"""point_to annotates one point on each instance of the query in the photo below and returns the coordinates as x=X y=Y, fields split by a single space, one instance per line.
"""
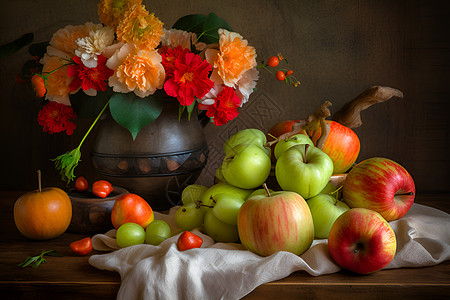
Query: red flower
x=56 y=117
x=89 y=78
x=225 y=107
x=169 y=56
x=190 y=78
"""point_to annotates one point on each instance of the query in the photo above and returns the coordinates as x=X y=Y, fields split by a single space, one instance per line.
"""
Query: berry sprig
x=281 y=74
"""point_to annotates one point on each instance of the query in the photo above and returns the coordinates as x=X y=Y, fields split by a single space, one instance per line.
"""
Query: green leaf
x=133 y=112
x=29 y=65
x=38 y=49
x=66 y=164
x=190 y=23
x=212 y=24
x=205 y=26
x=89 y=106
x=190 y=109
x=14 y=46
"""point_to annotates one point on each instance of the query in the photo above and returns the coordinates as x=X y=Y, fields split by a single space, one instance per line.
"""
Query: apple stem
x=266 y=189
x=39 y=180
x=306 y=149
x=406 y=194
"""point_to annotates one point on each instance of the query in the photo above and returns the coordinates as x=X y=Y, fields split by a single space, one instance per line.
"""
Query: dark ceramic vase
x=166 y=156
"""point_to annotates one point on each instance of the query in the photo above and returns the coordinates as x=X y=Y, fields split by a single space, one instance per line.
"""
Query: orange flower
x=63 y=42
x=110 y=11
x=138 y=71
x=140 y=28
x=39 y=85
x=232 y=60
x=58 y=83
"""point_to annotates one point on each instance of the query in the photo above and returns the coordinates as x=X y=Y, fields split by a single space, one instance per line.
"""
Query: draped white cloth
x=227 y=271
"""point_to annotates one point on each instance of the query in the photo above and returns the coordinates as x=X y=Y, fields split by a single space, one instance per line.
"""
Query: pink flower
x=225 y=107
x=190 y=79
x=89 y=78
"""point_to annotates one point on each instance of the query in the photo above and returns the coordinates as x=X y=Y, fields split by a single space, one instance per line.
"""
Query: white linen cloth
x=227 y=271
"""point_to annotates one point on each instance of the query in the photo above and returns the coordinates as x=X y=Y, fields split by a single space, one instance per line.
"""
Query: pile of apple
x=306 y=205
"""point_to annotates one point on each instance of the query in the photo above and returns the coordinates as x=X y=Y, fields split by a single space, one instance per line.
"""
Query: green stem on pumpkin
x=67 y=162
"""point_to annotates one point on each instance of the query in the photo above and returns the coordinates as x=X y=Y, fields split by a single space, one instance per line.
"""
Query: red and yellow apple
x=278 y=221
x=362 y=241
x=342 y=146
x=131 y=208
x=382 y=185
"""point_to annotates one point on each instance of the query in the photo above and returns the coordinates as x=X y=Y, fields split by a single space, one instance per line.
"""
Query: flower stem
x=67 y=162
x=93 y=123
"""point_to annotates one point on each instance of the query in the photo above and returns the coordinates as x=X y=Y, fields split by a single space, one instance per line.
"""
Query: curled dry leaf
x=313 y=122
x=350 y=114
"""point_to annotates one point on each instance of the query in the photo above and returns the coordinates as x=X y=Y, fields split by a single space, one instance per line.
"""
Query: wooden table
x=72 y=277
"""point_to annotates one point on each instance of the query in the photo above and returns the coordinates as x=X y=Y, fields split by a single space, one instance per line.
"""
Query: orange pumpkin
x=43 y=214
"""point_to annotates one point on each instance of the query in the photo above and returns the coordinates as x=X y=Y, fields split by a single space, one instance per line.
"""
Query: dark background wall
x=337 y=49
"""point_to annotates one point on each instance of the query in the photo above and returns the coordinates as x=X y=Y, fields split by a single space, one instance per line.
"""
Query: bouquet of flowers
x=132 y=64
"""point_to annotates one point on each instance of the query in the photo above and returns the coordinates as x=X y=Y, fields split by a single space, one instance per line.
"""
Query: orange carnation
x=138 y=71
x=140 y=28
x=232 y=60
x=58 y=83
x=110 y=11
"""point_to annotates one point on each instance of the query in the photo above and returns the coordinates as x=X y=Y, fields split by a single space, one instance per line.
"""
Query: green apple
x=218 y=230
x=325 y=209
x=218 y=175
x=247 y=136
x=192 y=193
x=226 y=207
x=297 y=139
x=258 y=192
x=222 y=188
x=246 y=166
x=304 y=169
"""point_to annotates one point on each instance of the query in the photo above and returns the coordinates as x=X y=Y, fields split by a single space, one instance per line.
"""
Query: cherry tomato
x=102 y=188
x=81 y=184
x=280 y=75
x=289 y=73
x=82 y=247
x=273 y=61
x=188 y=240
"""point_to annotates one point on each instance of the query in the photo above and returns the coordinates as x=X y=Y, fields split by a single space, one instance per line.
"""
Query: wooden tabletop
x=72 y=277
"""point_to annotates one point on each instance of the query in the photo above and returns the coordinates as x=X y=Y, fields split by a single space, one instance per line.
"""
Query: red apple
x=131 y=208
x=280 y=221
x=362 y=241
x=281 y=128
x=382 y=185
x=342 y=146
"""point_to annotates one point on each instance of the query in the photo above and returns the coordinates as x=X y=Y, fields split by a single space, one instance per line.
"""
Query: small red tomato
x=81 y=184
x=82 y=247
x=102 y=188
x=189 y=240
x=289 y=73
x=273 y=61
x=280 y=75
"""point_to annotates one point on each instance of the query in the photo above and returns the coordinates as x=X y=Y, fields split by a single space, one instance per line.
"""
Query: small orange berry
x=273 y=61
x=280 y=75
x=289 y=73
